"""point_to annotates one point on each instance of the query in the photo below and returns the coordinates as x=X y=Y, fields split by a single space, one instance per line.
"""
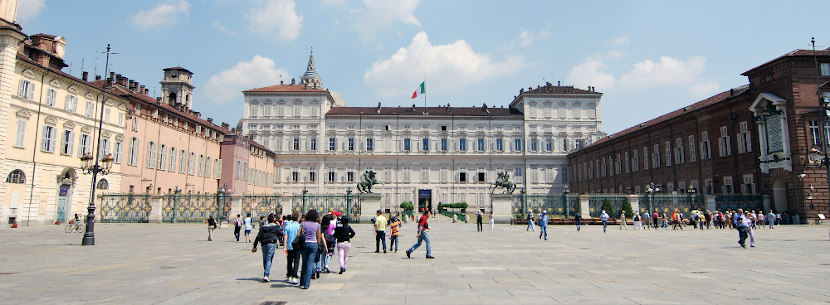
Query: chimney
x=84 y=75
x=133 y=85
x=141 y=89
x=210 y=120
x=225 y=125
x=97 y=77
x=558 y=83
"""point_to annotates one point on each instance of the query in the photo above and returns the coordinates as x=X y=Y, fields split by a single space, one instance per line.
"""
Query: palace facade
x=423 y=155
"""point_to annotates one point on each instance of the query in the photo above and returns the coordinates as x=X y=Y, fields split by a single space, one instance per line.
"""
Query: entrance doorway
x=63 y=198
x=424 y=200
x=779 y=194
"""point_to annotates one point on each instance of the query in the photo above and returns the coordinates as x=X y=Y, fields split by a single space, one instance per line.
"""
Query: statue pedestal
x=502 y=205
x=369 y=205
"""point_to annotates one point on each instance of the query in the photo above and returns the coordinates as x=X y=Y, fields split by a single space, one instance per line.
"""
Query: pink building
x=249 y=166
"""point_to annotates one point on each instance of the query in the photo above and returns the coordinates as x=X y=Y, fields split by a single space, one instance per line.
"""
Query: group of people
x=699 y=220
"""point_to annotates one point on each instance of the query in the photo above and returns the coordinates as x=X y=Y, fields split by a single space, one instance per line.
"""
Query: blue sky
x=646 y=57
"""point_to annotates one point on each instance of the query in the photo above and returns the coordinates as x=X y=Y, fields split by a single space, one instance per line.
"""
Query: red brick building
x=754 y=139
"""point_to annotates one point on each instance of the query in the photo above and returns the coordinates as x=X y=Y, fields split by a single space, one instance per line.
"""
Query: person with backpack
x=578 y=221
x=543 y=225
x=237 y=226
x=324 y=255
x=268 y=236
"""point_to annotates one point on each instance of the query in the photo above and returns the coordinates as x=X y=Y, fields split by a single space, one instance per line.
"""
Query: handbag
x=299 y=241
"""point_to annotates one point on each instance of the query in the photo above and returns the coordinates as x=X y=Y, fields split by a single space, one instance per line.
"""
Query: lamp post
x=692 y=193
x=349 y=202
x=565 y=192
x=220 y=200
x=651 y=190
x=176 y=203
x=305 y=193
x=87 y=167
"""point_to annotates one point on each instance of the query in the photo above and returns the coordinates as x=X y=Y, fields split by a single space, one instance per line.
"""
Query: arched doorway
x=779 y=194
x=66 y=182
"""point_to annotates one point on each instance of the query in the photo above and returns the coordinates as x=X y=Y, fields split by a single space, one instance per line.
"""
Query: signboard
x=64 y=190
x=425 y=193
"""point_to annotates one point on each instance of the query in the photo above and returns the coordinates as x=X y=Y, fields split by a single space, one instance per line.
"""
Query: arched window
x=103 y=184
x=16 y=176
x=172 y=98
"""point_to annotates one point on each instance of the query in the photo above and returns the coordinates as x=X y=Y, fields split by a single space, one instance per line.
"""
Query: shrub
x=627 y=208
x=606 y=205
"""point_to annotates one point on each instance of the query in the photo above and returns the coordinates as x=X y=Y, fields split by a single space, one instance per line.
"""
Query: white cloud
x=666 y=71
x=527 y=37
x=258 y=72
x=624 y=39
x=219 y=26
x=276 y=16
x=380 y=15
x=162 y=15
x=27 y=9
x=590 y=73
x=704 y=90
x=448 y=67
x=333 y=2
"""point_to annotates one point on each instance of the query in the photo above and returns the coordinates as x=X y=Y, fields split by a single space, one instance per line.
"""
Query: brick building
x=754 y=139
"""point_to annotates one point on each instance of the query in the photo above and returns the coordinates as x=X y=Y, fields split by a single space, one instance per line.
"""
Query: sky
x=646 y=57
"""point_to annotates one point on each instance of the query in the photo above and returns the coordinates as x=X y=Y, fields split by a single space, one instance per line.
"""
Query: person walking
x=578 y=221
x=771 y=219
x=479 y=217
x=655 y=218
x=268 y=236
x=741 y=223
x=237 y=226
x=543 y=225
x=248 y=227
x=292 y=229
x=423 y=236
x=211 y=226
x=604 y=218
x=313 y=237
x=380 y=232
x=394 y=226
x=750 y=230
x=646 y=220
x=622 y=221
x=342 y=235
x=492 y=222
x=323 y=257
x=530 y=221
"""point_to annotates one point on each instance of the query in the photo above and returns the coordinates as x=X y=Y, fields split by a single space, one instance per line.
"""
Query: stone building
x=248 y=166
x=761 y=138
x=422 y=155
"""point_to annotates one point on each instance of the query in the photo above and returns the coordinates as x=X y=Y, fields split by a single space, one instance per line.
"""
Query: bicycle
x=73 y=226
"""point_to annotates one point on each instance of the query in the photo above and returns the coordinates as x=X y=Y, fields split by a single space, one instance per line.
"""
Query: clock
x=60 y=50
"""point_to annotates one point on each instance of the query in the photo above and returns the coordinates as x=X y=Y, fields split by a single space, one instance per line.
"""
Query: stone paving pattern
x=175 y=264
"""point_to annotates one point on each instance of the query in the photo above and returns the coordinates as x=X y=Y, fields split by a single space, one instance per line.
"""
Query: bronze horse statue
x=367 y=181
x=503 y=181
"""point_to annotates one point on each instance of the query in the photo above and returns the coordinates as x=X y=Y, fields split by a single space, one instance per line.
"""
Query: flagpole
x=425 y=93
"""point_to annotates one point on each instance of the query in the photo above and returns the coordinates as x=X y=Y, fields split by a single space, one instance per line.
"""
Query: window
x=26 y=89
x=407 y=144
x=710 y=187
x=425 y=144
x=16 y=176
x=668 y=153
x=238 y=169
x=692 y=152
x=645 y=157
x=104 y=148
x=534 y=144
x=20 y=136
x=462 y=144
x=296 y=143
x=444 y=144
x=295 y=176
x=462 y=177
x=51 y=96
x=517 y=144
x=89 y=110
x=162 y=158
x=749 y=185
x=727 y=185
x=815 y=130
x=627 y=168
x=370 y=144
x=116 y=152
x=171 y=166
x=182 y=164
x=825 y=69
x=253 y=110
x=425 y=174
x=548 y=144
x=350 y=176
x=151 y=155
x=565 y=145
x=48 y=140
x=705 y=148
x=132 y=157
x=191 y=168
x=481 y=177
x=201 y=171
x=679 y=157
x=635 y=161
x=499 y=144
x=267 y=111
x=71 y=103
x=655 y=157
x=332 y=174
x=723 y=142
x=744 y=138
x=313 y=144
x=312 y=174
x=480 y=142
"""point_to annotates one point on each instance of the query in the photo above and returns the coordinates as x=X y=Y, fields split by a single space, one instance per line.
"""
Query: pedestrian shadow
x=283 y=285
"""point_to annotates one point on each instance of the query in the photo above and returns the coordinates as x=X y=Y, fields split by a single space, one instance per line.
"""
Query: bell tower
x=176 y=88
x=8 y=10
x=310 y=78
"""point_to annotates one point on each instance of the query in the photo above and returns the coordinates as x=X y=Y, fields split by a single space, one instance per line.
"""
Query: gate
x=595 y=204
x=672 y=203
x=733 y=202
x=347 y=204
x=189 y=207
x=125 y=207
x=559 y=205
x=262 y=205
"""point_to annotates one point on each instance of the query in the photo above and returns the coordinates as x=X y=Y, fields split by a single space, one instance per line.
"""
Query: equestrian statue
x=368 y=180
x=503 y=180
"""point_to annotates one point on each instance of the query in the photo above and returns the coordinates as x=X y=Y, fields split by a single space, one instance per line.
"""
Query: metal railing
x=596 y=200
x=125 y=207
x=671 y=203
x=189 y=207
x=733 y=202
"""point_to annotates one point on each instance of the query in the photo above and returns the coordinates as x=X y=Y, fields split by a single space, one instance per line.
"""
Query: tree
x=627 y=208
x=606 y=205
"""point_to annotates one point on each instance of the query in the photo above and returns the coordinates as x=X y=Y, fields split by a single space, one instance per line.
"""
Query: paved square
x=174 y=264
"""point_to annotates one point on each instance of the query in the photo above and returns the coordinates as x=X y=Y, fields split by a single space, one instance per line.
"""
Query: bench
x=820 y=219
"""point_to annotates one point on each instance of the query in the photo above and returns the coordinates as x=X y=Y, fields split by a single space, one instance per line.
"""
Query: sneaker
x=376 y=251
x=265 y=279
x=743 y=246
x=430 y=257
x=342 y=270
x=408 y=253
x=295 y=280
x=384 y=251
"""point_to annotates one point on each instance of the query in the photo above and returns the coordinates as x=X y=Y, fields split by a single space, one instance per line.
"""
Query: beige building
x=49 y=120
x=249 y=166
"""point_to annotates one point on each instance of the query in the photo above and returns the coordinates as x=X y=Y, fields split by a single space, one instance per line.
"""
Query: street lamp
x=651 y=189
x=565 y=192
x=692 y=192
x=220 y=200
x=305 y=193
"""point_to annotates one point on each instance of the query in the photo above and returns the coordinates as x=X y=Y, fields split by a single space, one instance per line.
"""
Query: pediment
x=69 y=125
x=760 y=102
x=51 y=120
x=28 y=73
x=22 y=113
x=55 y=83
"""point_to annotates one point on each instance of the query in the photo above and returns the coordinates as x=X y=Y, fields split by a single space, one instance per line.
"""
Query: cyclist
x=76 y=221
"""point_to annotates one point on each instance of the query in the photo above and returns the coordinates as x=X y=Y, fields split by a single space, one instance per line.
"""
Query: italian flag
x=423 y=90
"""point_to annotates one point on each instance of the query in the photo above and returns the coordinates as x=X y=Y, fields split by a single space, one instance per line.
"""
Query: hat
x=544 y=212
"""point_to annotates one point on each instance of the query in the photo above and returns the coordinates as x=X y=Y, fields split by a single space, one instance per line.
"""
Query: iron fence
x=733 y=202
x=189 y=207
x=125 y=207
x=595 y=202
x=671 y=203
x=557 y=205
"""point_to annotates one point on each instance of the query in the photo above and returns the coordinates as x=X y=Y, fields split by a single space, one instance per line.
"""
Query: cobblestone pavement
x=175 y=264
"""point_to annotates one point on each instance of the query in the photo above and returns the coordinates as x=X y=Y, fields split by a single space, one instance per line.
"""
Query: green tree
x=606 y=205
x=627 y=208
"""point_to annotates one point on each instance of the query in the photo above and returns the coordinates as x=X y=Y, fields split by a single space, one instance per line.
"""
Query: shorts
x=247 y=232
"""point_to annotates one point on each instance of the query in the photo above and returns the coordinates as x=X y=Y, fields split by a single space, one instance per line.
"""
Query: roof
x=793 y=53
x=717 y=98
x=120 y=90
x=419 y=111
x=177 y=68
x=285 y=88
x=550 y=89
